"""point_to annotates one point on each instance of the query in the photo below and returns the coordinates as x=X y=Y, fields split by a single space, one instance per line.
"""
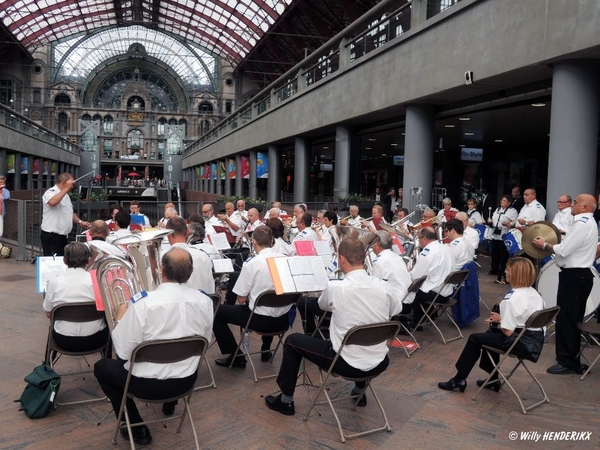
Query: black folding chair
x=412 y=289
x=539 y=319
x=363 y=335
x=216 y=299
x=165 y=351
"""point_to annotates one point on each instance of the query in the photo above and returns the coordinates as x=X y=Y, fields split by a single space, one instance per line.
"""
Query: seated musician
x=201 y=277
x=306 y=233
x=279 y=244
x=402 y=223
x=165 y=218
x=172 y=311
x=435 y=262
x=74 y=286
x=122 y=221
x=515 y=309
x=134 y=209
x=231 y=220
x=254 y=279
x=114 y=209
x=447 y=212
x=389 y=266
x=354 y=219
x=356 y=300
x=329 y=232
x=470 y=234
x=98 y=233
x=253 y=220
x=462 y=250
x=376 y=219
x=210 y=220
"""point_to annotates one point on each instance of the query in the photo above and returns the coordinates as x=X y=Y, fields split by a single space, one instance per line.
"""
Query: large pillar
x=418 y=152
x=219 y=182
x=573 y=131
x=274 y=182
x=238 y=176
x=252 y=190
x=227 y=179
x=341 y=176
x=301 y=170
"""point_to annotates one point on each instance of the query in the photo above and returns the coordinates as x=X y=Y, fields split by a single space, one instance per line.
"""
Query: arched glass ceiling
x=78 y=59
x=229 y=28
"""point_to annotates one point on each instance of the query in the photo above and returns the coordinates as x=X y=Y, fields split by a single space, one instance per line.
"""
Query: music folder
x=297 y=274
x=219 y=240
x=227 y=231
x=224 y=265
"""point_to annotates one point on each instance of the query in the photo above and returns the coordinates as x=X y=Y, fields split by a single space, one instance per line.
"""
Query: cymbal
x=545 y=229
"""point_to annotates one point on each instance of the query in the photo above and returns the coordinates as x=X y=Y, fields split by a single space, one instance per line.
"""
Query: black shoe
x=494 y=385
x=275 y=403
x=239 y=363
x=266 y=356
x=558 y=369
x=141 y=434
x=582 y=369
x=168 y=408
x=363 y=400
x=452 y=384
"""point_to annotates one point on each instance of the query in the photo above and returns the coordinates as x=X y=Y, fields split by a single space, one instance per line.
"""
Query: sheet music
x=300 y=266
x=219 y=240
x=224 y=265
x=48 y=267
x=323 y=248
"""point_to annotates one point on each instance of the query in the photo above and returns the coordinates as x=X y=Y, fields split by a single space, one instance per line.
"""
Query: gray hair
x=385 y=239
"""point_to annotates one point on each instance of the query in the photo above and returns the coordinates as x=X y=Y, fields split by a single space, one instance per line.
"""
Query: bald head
x=99 y=229
x=583 y=203
x=177 y=266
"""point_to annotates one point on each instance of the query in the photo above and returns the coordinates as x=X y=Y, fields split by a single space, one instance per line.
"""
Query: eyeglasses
x=559 y=201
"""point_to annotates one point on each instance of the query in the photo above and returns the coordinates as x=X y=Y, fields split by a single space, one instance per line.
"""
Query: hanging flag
x=231 y=169
x=262 y=165
x=24 y=165
x=245 y=172
x=221 y=170
x=215 y=174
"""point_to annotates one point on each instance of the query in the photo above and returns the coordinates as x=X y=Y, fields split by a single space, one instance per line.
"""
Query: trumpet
x=349 y=216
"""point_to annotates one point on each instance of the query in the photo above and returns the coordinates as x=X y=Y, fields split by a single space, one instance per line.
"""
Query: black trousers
x=422 y=297
x=321 y=353
x=112 y=377
x=499 y=258
x=309 y=311
x=238 y=315
x=574 y=287
x=472 y=352
x=81 y=343
x=53 y=244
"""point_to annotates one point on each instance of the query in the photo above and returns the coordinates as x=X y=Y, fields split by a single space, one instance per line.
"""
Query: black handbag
x=529 y=346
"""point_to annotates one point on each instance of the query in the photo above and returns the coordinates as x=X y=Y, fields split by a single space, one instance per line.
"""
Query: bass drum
x=548 y=287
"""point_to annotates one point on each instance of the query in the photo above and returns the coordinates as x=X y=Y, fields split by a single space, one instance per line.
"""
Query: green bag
x=39 y=394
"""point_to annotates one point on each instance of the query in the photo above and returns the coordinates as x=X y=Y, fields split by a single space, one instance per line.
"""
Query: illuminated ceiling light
x=498 y=140
x=384 y=154
x=325 y=148
x=538 y=105
x=403 y=134
x=469 y=134
x=449 y=126
x=372 y=139
x=394 y=145
x=464 y=118
x=367 y=148
x=462 y=145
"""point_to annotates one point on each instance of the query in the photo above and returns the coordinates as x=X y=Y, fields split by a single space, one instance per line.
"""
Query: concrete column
x=418 y=13
x=341 y=175
x=573 y=131
x=301 y=170
x=419 y=143
x=227 y=180
x=252 y=189
x=238 y=176
x=218 y=181
x=274 y=183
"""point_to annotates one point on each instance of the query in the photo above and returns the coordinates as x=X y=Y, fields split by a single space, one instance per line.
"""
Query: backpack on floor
x=38 y=397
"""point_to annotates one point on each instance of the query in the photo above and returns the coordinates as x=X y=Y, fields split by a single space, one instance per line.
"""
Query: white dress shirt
x=475 y=215
x=358 y=299
x=462 y=251
x=72 y=286
x=472 y=237
x=171 y=311
x=435 y=262
x=517 y=306
x=578 y=248
x=280 y=246
x=509 y=214
x=563 y=219
x=392 y=268
x=202 y=276
x=534 y=211
x=254 y=279
x=57 y=219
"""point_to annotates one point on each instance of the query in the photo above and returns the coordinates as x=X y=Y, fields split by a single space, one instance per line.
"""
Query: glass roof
x=78 y=57
x=229 y=28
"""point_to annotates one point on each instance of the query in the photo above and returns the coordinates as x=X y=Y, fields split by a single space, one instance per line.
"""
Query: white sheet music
x=224 y=265
x=301 y=273
x=219 y=240
x=48 y=267
x=301 y=265
x=323 y=248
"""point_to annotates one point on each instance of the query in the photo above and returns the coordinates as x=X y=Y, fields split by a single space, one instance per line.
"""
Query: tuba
x=118 y=281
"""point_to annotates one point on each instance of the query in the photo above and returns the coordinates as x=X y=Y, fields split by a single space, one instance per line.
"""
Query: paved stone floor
x=234 y=414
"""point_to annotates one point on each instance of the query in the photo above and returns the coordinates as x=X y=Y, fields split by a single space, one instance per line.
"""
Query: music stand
x=227 y=231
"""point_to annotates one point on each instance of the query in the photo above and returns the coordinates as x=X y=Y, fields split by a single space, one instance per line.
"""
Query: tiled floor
x=234 y=414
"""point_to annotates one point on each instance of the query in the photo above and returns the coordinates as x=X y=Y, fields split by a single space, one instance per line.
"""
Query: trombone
x=422 y=223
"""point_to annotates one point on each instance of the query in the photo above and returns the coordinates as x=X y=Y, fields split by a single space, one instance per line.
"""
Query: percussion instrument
x=548 y=287
x=481 y=229
x=545 y=229
x=512 y=242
